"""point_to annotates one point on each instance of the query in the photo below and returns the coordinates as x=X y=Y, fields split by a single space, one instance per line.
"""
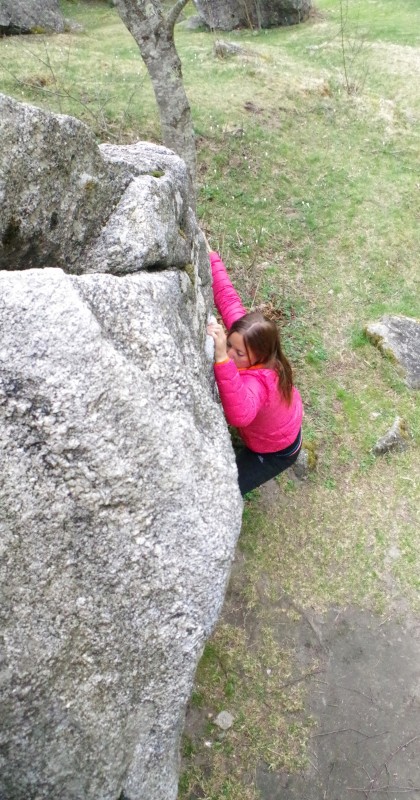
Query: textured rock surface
x=399 y=337
x=30 y=16
x=230 y=14
x=56 y=190
x=119 y=509
x=152 y=225
x=397 y=438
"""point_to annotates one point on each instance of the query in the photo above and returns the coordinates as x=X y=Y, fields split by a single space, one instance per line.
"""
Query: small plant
x=352 y=53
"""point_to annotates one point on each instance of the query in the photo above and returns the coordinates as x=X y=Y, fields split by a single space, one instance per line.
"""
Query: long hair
x=262 y=344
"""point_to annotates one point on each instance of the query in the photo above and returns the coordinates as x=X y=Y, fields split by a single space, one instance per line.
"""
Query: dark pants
x=257 y=468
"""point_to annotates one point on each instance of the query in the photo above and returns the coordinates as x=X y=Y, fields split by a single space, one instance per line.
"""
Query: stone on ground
x=397 y=438
x=399 y=337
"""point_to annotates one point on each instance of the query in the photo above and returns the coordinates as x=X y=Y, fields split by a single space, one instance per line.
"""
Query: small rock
x=224 y=720
x=305 y=462
x=194 y=23
x=398 y=337
x=225 y=49
x=395 y=439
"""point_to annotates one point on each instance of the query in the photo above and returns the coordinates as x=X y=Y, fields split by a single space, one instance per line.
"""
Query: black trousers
x=257 y=468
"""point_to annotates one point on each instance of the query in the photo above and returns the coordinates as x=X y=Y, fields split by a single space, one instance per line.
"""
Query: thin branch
x=347 y=730
x=174 y=13
x=60 y=94
x=398 y=789
x=347 y=689
x=301 y=678
x=305 y=616
x=384 y=765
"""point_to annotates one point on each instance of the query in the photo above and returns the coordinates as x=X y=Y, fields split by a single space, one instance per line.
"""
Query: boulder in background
x=30 y=16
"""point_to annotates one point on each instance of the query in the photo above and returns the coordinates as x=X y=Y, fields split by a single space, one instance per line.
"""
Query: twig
x=63 y=94
x=314 y=766
x=255 y=293
x=301 y=611
x=398 y=789
x=347 y=730
x=301 y=678
x=347 y=689
x=384 y=765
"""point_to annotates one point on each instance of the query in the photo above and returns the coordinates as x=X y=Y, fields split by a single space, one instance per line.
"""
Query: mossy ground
x=308 y=153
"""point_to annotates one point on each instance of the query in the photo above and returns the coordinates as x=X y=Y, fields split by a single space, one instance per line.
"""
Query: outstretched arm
x=226 y=298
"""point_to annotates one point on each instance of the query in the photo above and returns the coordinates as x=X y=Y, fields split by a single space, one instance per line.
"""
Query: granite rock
x=30 y=16
x=119 y=500
x=399 y=338
x=230 y=14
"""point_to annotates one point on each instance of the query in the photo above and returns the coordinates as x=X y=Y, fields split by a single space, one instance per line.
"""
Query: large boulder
x=120 y=506
x=227 y=15
x=30 y=16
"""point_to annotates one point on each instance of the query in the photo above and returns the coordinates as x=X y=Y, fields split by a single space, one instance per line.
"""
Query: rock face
x=120 y=507
x=227 y=15
x=30 y=16
x=56 y=189
x=399 y=337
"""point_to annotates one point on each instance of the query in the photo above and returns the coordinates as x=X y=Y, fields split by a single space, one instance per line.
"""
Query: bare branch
x=396 y=789
x=347 y=730
x=301 y=678
x=174 y=13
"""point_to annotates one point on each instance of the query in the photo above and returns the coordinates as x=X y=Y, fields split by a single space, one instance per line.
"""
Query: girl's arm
x=242 y=396
x=226 y=298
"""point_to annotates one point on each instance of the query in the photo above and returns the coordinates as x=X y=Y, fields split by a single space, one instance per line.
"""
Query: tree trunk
x=153 y=31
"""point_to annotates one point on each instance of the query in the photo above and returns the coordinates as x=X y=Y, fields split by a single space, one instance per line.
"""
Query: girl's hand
x=219 y=337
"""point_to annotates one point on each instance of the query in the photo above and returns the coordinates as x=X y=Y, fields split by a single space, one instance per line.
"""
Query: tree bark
x=153 y=31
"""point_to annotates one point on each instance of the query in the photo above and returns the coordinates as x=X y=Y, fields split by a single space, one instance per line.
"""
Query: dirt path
x=358 y=673
x=366 y=703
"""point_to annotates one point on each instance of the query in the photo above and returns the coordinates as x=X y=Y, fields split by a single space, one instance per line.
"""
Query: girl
x=255 y=385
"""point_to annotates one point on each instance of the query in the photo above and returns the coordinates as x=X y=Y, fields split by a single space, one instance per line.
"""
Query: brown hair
x=261 y=338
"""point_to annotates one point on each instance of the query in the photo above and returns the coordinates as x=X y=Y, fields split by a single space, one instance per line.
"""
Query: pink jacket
x=250 y=397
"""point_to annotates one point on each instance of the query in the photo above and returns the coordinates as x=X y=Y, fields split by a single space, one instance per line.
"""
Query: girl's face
x=236 y=351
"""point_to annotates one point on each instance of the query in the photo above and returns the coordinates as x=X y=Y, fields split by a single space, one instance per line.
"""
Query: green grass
x=308 y=184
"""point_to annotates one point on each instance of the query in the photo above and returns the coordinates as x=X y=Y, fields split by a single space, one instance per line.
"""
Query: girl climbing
x=255 y=385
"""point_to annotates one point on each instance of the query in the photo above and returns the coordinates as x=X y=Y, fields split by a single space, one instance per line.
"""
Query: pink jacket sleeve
x=226 y=299
x=242 y=396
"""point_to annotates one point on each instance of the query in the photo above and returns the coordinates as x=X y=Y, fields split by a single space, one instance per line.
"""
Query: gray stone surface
x=397 y=438
x=301 y=466
x=56 y=189
x=224 y=49
x=224 y=720
x=194 y=23
x=30 y=16
x=399 y=338
x=152 y=225
x=230 y=14
x=119 y=507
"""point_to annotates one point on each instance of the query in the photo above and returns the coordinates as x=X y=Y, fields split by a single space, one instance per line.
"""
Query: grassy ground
x=308 y=151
